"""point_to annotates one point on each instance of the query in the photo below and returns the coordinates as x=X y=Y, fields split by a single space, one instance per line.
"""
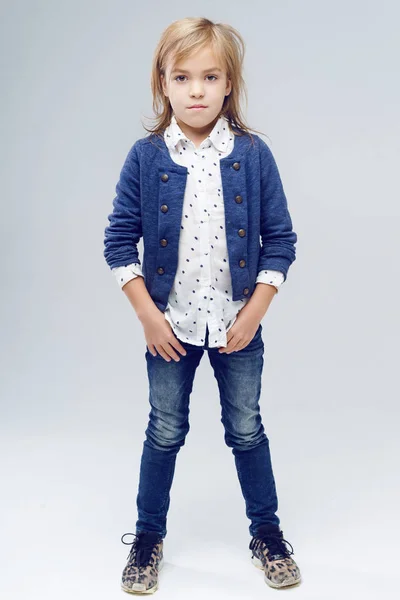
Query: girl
x=202 y=191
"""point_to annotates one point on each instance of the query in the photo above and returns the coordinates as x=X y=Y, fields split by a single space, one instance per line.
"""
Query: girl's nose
x=196 y=90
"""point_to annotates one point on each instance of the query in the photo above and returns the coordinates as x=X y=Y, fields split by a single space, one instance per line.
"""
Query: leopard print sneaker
x=145 y=560
x=269 y=554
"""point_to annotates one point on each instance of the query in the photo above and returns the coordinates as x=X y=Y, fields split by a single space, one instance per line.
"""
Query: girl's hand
x=160 y=337
x=241 y=333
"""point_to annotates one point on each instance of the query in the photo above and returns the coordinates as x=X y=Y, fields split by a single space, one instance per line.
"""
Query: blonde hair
x=184 y=37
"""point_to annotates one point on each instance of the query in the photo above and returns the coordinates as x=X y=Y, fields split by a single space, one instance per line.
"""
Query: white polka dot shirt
x=201 y=293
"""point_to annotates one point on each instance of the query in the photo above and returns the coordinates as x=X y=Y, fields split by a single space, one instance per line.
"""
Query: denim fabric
x=149 y=203
x=239 y=382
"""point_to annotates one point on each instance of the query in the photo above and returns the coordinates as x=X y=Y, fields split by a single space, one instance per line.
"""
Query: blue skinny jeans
x=170 y=384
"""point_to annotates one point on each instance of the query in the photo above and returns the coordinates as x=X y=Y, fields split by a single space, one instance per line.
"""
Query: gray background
x=323 y=84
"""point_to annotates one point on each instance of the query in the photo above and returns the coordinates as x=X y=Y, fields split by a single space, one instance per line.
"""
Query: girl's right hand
x=160 y=337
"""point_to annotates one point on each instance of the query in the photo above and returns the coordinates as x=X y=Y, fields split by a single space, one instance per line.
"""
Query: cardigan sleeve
x=277 y=236
x=124 y=230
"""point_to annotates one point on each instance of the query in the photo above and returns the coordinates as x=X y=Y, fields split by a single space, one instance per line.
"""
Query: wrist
x=147 y=312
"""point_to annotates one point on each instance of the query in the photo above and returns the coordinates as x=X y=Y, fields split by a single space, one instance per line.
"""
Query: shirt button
x=236 y=166
x=164 y=177
x=246 y=291
x=164 y=208
x=163 y=242
x=242 y=263
x=242 y=232
x=160 y=271
x=238 y=199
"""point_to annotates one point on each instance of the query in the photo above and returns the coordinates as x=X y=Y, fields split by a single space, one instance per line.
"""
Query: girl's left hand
x=241 y=333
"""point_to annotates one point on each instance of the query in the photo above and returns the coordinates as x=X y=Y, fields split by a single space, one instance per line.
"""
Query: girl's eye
x=178 y=77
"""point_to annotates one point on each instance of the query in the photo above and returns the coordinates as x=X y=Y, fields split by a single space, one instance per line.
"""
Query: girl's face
x=200 y=79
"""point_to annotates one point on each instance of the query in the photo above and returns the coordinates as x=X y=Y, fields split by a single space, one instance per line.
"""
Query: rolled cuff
x=125 y=274
x=275 y=278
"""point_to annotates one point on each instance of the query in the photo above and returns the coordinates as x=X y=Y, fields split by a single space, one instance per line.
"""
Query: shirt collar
x=219 y=136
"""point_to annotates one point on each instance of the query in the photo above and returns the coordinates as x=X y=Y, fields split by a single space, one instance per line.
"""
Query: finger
x=176 y=344
x=171 y=352
x=226 y=348
x=162 y=353
x=235 y=345
x=241 y=346
x=230 y=345
x=152 y=349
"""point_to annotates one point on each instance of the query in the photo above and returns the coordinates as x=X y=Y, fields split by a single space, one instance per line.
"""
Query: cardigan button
x=163 y=242
x=160 y=271
x=236 y=166
x=246 y=291
x=238 y=199
x=164 y=208
x=242 y=263
x=242 y=232
x=164 y=177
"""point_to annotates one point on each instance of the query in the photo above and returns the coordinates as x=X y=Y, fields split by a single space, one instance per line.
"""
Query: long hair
x=180 y=40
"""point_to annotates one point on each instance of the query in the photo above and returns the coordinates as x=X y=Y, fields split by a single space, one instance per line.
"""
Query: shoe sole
x=257 y=563
x=138 y=588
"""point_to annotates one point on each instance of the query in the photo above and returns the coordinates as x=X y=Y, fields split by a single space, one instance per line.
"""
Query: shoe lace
x=274 y=541
x=142 y=547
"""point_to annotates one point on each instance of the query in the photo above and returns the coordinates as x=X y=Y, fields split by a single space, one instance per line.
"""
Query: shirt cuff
x=125 y=274
x=275 y=278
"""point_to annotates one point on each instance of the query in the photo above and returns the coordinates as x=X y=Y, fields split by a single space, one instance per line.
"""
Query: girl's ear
x=228 y=87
